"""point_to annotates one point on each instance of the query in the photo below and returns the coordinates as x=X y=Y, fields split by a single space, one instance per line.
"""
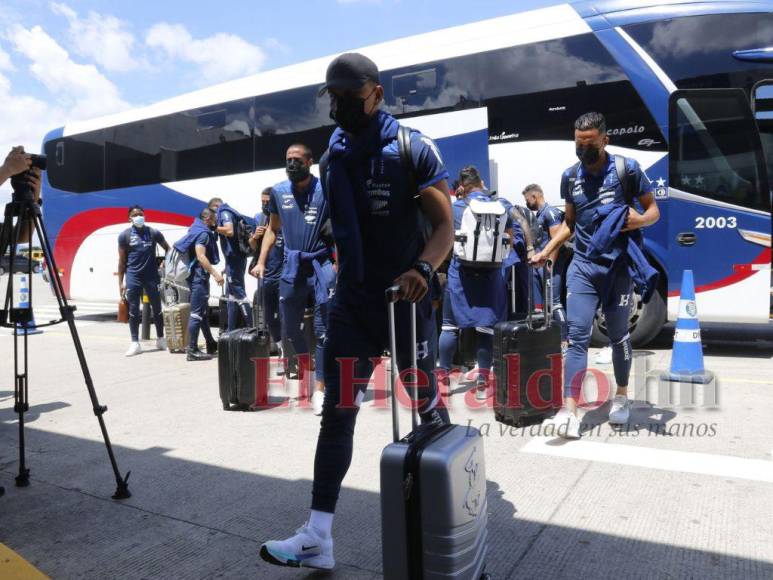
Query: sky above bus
x=79 y=59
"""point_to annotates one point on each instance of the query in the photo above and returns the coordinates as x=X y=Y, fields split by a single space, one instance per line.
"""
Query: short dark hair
x=532 y=187
x=266 y=191
x=135 y=206
x=469 y=176
x=592 y=120
x=305 y=148
x=213 y=200
x=205 y=213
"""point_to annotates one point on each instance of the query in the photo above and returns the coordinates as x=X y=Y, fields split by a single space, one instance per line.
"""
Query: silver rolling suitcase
x=433 y=493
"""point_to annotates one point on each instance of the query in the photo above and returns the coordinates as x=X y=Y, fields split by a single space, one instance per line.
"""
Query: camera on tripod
x=22 y=190
x=23 y=217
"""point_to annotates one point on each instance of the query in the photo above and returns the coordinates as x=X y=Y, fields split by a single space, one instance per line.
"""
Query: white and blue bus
x=687 y=89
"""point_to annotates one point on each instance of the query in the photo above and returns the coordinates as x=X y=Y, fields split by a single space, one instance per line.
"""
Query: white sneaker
x=604 y=356
x=620 y=410
x=565 y=424
x=481 y=391
x=317 y=399
x=134 y=349
x=306 y=548
x=161 y=343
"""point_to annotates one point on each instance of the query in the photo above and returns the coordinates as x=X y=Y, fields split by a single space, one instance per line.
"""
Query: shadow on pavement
x=190 y=519
x=8 y=415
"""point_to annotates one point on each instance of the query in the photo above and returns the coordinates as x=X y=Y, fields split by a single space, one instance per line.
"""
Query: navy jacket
x=185 y=244
x=625 y=247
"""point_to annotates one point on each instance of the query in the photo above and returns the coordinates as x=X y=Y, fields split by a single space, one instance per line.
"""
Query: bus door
x=762 y=104
x=719 y=215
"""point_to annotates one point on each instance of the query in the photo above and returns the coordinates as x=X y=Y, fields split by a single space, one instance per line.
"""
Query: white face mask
x=138 y=221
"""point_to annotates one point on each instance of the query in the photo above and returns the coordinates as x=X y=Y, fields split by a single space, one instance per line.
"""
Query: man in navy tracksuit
x=300 y=211
x=137 y=259
x=273 y=268
x=200 y=245
x=379 y=239
x=550 y=220
x=595 y=277
x=239 y=315
x=474 y=297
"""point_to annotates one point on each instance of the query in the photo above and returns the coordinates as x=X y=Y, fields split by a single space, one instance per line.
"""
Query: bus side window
x=715 y=150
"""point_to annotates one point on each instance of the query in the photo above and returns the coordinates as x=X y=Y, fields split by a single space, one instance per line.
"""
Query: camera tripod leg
x=122 y=489
x=21 y=406
x=9 y=240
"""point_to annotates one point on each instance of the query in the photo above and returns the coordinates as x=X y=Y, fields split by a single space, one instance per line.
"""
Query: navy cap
x=349 y=71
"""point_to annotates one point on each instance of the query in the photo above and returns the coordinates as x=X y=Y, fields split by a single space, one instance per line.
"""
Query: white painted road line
x=663 y=459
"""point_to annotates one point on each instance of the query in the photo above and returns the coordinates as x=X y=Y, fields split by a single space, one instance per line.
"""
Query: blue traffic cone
x=29 y=326
x=687 y=354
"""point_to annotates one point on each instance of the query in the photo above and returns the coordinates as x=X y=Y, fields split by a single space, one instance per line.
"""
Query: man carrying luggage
x=137 y=262
x=273 y=269
x=600 y=272
x=239 y=315
x=375 y=219
x=300 y=211
x=549 y=219
x=474 y=297
x=200 y=245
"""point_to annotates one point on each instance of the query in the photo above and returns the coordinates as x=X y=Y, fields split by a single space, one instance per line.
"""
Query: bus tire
x=644 y=328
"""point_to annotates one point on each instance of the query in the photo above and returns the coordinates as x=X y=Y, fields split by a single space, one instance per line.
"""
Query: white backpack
x=481 y=242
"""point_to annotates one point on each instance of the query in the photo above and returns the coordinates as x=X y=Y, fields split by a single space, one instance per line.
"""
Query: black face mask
x=296 y=170
x=588 y=155
x=264 y=207
x=349 y=112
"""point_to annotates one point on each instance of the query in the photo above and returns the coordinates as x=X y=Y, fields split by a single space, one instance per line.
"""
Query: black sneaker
x=211 y=348
x=196 y=354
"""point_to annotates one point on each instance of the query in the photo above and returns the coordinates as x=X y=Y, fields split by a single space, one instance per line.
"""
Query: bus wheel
x=644 y=323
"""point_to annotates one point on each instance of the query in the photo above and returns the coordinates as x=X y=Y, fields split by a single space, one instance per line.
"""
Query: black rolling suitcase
x=528 y=363
x=433 y=495
x=236 y=366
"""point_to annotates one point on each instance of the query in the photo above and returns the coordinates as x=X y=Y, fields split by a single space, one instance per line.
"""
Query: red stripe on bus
x=741 y=272
x=79 y=227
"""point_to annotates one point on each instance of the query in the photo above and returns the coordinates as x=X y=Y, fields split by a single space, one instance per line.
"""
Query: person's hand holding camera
x=17 y=161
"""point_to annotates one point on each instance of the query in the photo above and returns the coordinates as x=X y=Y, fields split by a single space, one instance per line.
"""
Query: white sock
x=279 y=346
x=322 y=522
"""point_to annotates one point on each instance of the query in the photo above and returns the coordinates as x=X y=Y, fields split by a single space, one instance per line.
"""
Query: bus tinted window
x=296 y=115
x=432 y=87
x=535 y=92
x=209 y=141
x=714 y=148
x=77 y=163
x=697 y=51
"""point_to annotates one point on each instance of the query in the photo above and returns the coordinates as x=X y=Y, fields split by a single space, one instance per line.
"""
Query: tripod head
x=22 y=190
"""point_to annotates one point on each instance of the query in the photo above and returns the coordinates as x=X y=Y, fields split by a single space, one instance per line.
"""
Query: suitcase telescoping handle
x=392 y=296
x=260 y=324
x=547 y=296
